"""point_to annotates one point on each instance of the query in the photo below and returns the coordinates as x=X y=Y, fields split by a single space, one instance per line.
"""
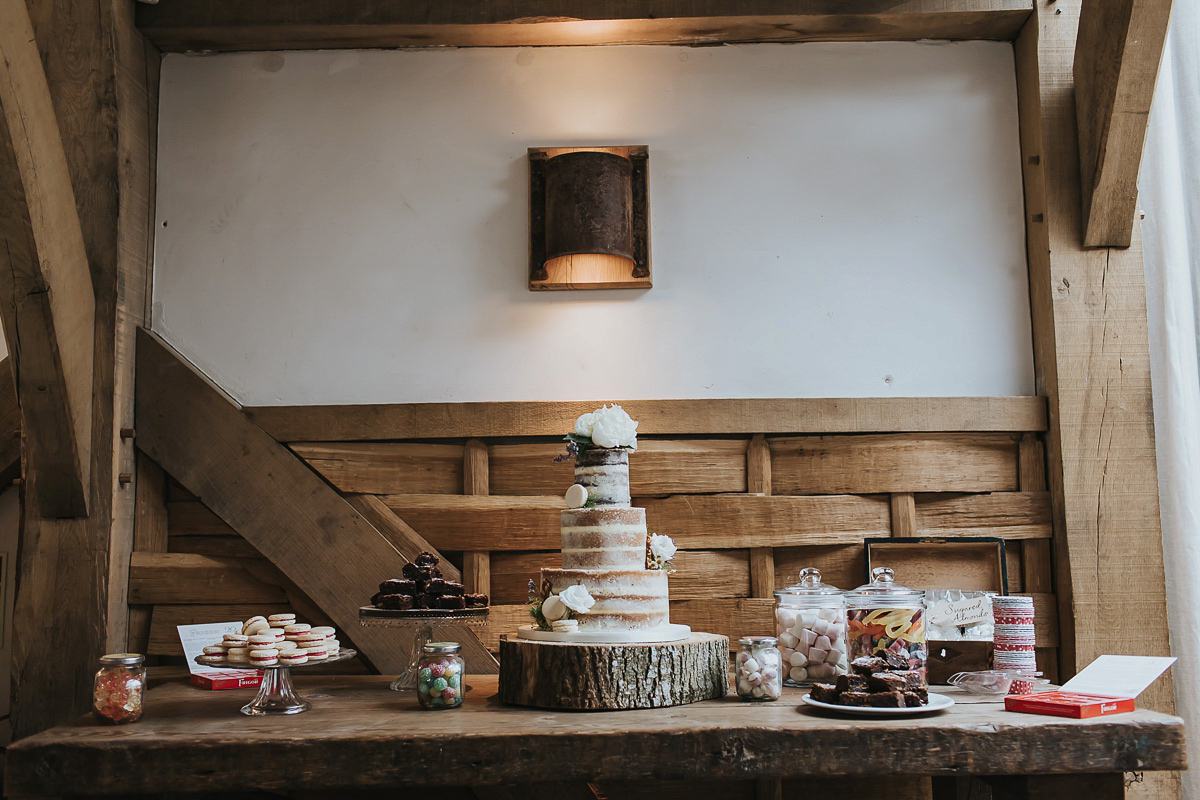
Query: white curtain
x=1170 y=198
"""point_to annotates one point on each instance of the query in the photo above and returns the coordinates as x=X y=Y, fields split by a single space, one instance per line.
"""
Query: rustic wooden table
x=359 y=734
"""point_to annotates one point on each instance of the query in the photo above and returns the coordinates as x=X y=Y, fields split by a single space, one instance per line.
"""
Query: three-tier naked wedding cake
x=613 y=583
x=603 y=638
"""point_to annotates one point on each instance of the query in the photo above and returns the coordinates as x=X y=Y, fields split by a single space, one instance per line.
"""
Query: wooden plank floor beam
x=184 y=25
x=47 y=299
x=1117 y=53
x=259 y=488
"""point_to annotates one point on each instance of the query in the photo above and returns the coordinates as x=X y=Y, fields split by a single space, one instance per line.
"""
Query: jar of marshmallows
x=810 y=623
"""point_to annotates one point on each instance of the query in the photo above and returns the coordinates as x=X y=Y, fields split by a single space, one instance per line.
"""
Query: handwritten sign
x=961 y=613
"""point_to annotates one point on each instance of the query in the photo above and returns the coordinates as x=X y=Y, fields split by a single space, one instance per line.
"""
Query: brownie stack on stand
x=1015 y=639
x=424 y=588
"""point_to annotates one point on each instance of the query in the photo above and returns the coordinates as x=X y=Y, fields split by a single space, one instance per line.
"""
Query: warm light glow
x=593 y=271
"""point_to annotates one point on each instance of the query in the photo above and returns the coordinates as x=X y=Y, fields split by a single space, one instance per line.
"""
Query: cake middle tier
x=603 y=538
x=625 y=599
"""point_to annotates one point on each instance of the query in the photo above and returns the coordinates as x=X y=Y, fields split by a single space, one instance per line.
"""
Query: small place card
x=961 y=613
x=195 y=638
x=1119 y=676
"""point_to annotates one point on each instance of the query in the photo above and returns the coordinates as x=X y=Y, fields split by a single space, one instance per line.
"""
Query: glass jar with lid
x=440 y=676
x=884 y=617
x=810 y=623
x=757 y=669
x=119 y=687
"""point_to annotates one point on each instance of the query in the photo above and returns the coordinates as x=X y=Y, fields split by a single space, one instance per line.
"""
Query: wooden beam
x=1092 y=361
x=398 y=532
x=10 y=426
x=321 y=24
x=47 y=298
x=655 y=417
x=149 y=537
x=1117 y=53
x=324 y=546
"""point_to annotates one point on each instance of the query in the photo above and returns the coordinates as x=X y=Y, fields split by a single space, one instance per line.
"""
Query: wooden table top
x=360 y=734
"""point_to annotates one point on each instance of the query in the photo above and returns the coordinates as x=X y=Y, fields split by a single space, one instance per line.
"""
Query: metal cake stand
x=422 y=621
x=276 y=695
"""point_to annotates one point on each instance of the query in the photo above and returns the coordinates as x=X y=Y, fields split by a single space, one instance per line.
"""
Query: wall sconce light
x=589 y=218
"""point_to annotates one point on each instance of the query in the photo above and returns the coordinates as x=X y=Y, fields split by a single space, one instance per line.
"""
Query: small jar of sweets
x=119 y=687
x=810 y=621
x=440 y=676
x=758 y=668
x=883 y=617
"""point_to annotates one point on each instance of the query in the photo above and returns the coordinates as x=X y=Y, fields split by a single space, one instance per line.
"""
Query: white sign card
x=961 y=613
x=1119 y=676
x=195 y=638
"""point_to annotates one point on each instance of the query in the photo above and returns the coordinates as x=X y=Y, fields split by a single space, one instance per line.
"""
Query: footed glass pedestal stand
x=276 y=695
x=421 y=622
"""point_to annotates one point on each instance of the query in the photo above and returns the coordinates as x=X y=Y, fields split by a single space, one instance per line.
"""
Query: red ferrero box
x=227 y=679
x=1069 y=704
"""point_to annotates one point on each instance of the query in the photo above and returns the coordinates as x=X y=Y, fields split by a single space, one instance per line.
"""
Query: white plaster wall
x=827 y=220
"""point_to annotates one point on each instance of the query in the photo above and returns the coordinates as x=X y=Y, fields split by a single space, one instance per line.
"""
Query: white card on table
x=195 y=638
x=1119 y=676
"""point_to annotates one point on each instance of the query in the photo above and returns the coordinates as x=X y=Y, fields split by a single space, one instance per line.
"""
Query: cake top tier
x=601 y=442
x=606 y=427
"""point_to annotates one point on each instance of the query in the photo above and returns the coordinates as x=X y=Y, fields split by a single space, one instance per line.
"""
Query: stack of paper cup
x=1014 y=636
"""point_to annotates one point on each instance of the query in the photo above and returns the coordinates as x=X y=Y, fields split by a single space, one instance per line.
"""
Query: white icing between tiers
x=662 y=633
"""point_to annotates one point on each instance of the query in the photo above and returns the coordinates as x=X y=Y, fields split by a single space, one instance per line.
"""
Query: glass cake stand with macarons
x=276 y=694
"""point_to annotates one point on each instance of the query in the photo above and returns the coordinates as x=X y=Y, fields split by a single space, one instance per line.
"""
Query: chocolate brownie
x=851 y=683
x=453 y=587
x=824 y=693
x=411 y=571
x=854 y=699
x=398 y=586
x=913 y=700
x=476 y=600
x=396 y=602
x=913 y=679
x=426 y=600
x=885 y=700
x=895 y=661
x=868 y=665
x=436 y=586
x=886 y=682
x=426 y=559
x=451 y=601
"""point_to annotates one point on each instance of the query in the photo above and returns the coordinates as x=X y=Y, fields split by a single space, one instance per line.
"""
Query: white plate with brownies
x=937 y=702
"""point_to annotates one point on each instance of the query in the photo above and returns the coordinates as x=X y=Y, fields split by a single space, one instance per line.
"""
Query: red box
x=1069 y=704
x=228 y=679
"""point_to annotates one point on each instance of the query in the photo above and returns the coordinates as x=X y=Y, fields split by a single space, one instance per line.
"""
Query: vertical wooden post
x=758 y=481
x=904 y=514
x=477 y=565
x=149 y=536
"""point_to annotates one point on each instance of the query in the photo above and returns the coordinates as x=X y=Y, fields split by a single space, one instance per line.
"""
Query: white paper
x=195 y=638
x=961 y=613
x=1119 y=676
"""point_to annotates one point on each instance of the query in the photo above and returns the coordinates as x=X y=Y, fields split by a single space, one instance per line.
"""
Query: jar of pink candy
x=810 y=623
x=757 y=669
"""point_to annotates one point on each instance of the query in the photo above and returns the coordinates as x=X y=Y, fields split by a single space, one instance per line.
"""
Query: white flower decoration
x=577 y=598
x=662 y=547
x=608 y=426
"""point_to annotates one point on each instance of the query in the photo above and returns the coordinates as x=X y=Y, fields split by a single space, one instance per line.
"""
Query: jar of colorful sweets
x=119 y=687
x=440 y=676
x=810 y=623
x=757 y=669
x=885 y=616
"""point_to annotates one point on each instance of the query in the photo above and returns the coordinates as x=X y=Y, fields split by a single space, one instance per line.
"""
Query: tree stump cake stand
x=611 y=677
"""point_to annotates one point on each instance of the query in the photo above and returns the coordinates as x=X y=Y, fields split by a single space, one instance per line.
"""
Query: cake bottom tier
x=625 y=599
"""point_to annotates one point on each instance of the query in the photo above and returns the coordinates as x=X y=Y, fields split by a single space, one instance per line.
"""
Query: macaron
x=325 y=631
x=215 y=650
x=310 y=639
x=264 y=657
x=287 y=647
x=236 y=638
x=238 y=654
x=255 y=625
x=317 y=653
x=262 y=640
x=333 y=646
x=279 y=620
x=209 y=658
x=297 y=627
x=293 y=659
x=277 y=633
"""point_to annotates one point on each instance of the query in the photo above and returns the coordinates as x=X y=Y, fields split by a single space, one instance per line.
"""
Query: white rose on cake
x=609 y=427
x=659 y=552
x=577 y=598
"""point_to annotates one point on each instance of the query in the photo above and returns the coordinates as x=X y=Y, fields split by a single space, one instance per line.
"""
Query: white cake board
x=663 y=633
